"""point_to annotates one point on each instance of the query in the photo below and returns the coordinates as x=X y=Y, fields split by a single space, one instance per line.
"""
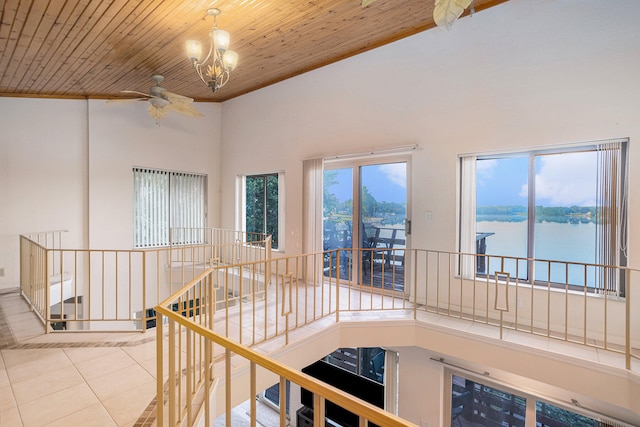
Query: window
x=474 y=403
x=366 y=362
x=548 y=415
x=566 y=205
x=261 y=205
x=165 y=200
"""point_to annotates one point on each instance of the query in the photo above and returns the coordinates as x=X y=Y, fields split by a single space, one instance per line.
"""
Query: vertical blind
x=610 y=214
x=467 y=215
x=165 y=200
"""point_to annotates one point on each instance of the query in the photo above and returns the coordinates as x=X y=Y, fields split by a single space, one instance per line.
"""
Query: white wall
x=66 y=164
x=122 y=136
x=421 y=380
x=43 y=174
x=521 y=74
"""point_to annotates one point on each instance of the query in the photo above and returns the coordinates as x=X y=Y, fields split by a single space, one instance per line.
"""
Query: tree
x=261 y=214
x=368 y=203
x=330 y=201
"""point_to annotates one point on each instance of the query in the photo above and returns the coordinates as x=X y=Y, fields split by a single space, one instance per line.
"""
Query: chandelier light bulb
x=194 y=50
x=230 y=60
x=221 y=40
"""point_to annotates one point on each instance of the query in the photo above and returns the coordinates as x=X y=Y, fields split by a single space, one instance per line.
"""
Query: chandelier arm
x=198 y=69
x=224 y=78
x=208 y=55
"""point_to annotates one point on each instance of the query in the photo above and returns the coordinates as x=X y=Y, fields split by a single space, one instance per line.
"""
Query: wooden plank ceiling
x=96 y=48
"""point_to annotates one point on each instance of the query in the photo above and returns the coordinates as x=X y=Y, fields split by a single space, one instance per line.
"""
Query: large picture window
x=165 y=200
x=261 y=205
x=566 y=205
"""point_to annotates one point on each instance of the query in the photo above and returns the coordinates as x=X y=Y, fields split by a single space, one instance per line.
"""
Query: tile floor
x=108 y=379
x=82 y=379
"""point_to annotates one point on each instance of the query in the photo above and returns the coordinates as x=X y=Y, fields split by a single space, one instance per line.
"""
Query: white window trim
x=241 y=205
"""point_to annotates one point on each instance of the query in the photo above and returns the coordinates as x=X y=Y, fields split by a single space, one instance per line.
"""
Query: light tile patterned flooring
x=108 y=379
x=87 y=379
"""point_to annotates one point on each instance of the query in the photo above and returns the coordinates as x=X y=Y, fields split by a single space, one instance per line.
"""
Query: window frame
x=276 y=241
x=532 y=154
x=170 y=207
x=531 y=396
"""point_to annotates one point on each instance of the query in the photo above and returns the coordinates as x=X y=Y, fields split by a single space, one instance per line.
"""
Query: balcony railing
x=96 y=289
x=208 y=332
x=206 y=329
x=596 y=306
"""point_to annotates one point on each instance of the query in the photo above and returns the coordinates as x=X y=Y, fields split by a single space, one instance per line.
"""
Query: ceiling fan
x=161 y=101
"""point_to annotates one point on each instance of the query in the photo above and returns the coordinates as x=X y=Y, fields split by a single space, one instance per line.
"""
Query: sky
x=567 y=179
x=386 y=183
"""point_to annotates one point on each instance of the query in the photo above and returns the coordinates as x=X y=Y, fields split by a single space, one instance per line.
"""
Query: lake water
x=553 y=241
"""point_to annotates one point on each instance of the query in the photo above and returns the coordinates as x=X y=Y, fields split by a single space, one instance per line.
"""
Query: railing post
x=159 y=372
x=627 y=305
x=144 y=290
x=47 y=291
x=171 y=347
x=253 y=392
x=283 y=401
x=414 y=262
x=337 y=291
x=318 y=410
x=227 y=387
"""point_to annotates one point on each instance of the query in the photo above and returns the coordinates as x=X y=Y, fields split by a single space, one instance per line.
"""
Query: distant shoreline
x=559 y=214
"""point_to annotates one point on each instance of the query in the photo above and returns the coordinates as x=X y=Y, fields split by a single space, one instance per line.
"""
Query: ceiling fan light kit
x=222 y=60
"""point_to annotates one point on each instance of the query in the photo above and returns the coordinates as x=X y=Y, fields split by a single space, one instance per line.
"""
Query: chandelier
x=222 y=61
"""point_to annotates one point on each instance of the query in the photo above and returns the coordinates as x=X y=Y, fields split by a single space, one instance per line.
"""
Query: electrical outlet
x=425 y=423
x=1 y=271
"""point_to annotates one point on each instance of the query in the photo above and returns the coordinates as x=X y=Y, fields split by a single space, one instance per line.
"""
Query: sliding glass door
x=365 y=214
x=337 y=222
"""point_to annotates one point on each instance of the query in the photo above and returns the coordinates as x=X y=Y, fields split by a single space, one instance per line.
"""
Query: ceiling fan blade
x=135 y=92
x=126 y=100
x=175 y=98
x=445 y=12
x=185 y=108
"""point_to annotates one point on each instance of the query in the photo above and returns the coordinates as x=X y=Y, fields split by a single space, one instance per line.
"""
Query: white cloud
x=486 y=167
x=396 y=173
x=484 y=170
x=566 y=180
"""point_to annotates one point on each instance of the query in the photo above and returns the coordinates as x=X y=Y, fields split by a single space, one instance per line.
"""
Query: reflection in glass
x=337 y=221
x=477 y=405
x=548 y=415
